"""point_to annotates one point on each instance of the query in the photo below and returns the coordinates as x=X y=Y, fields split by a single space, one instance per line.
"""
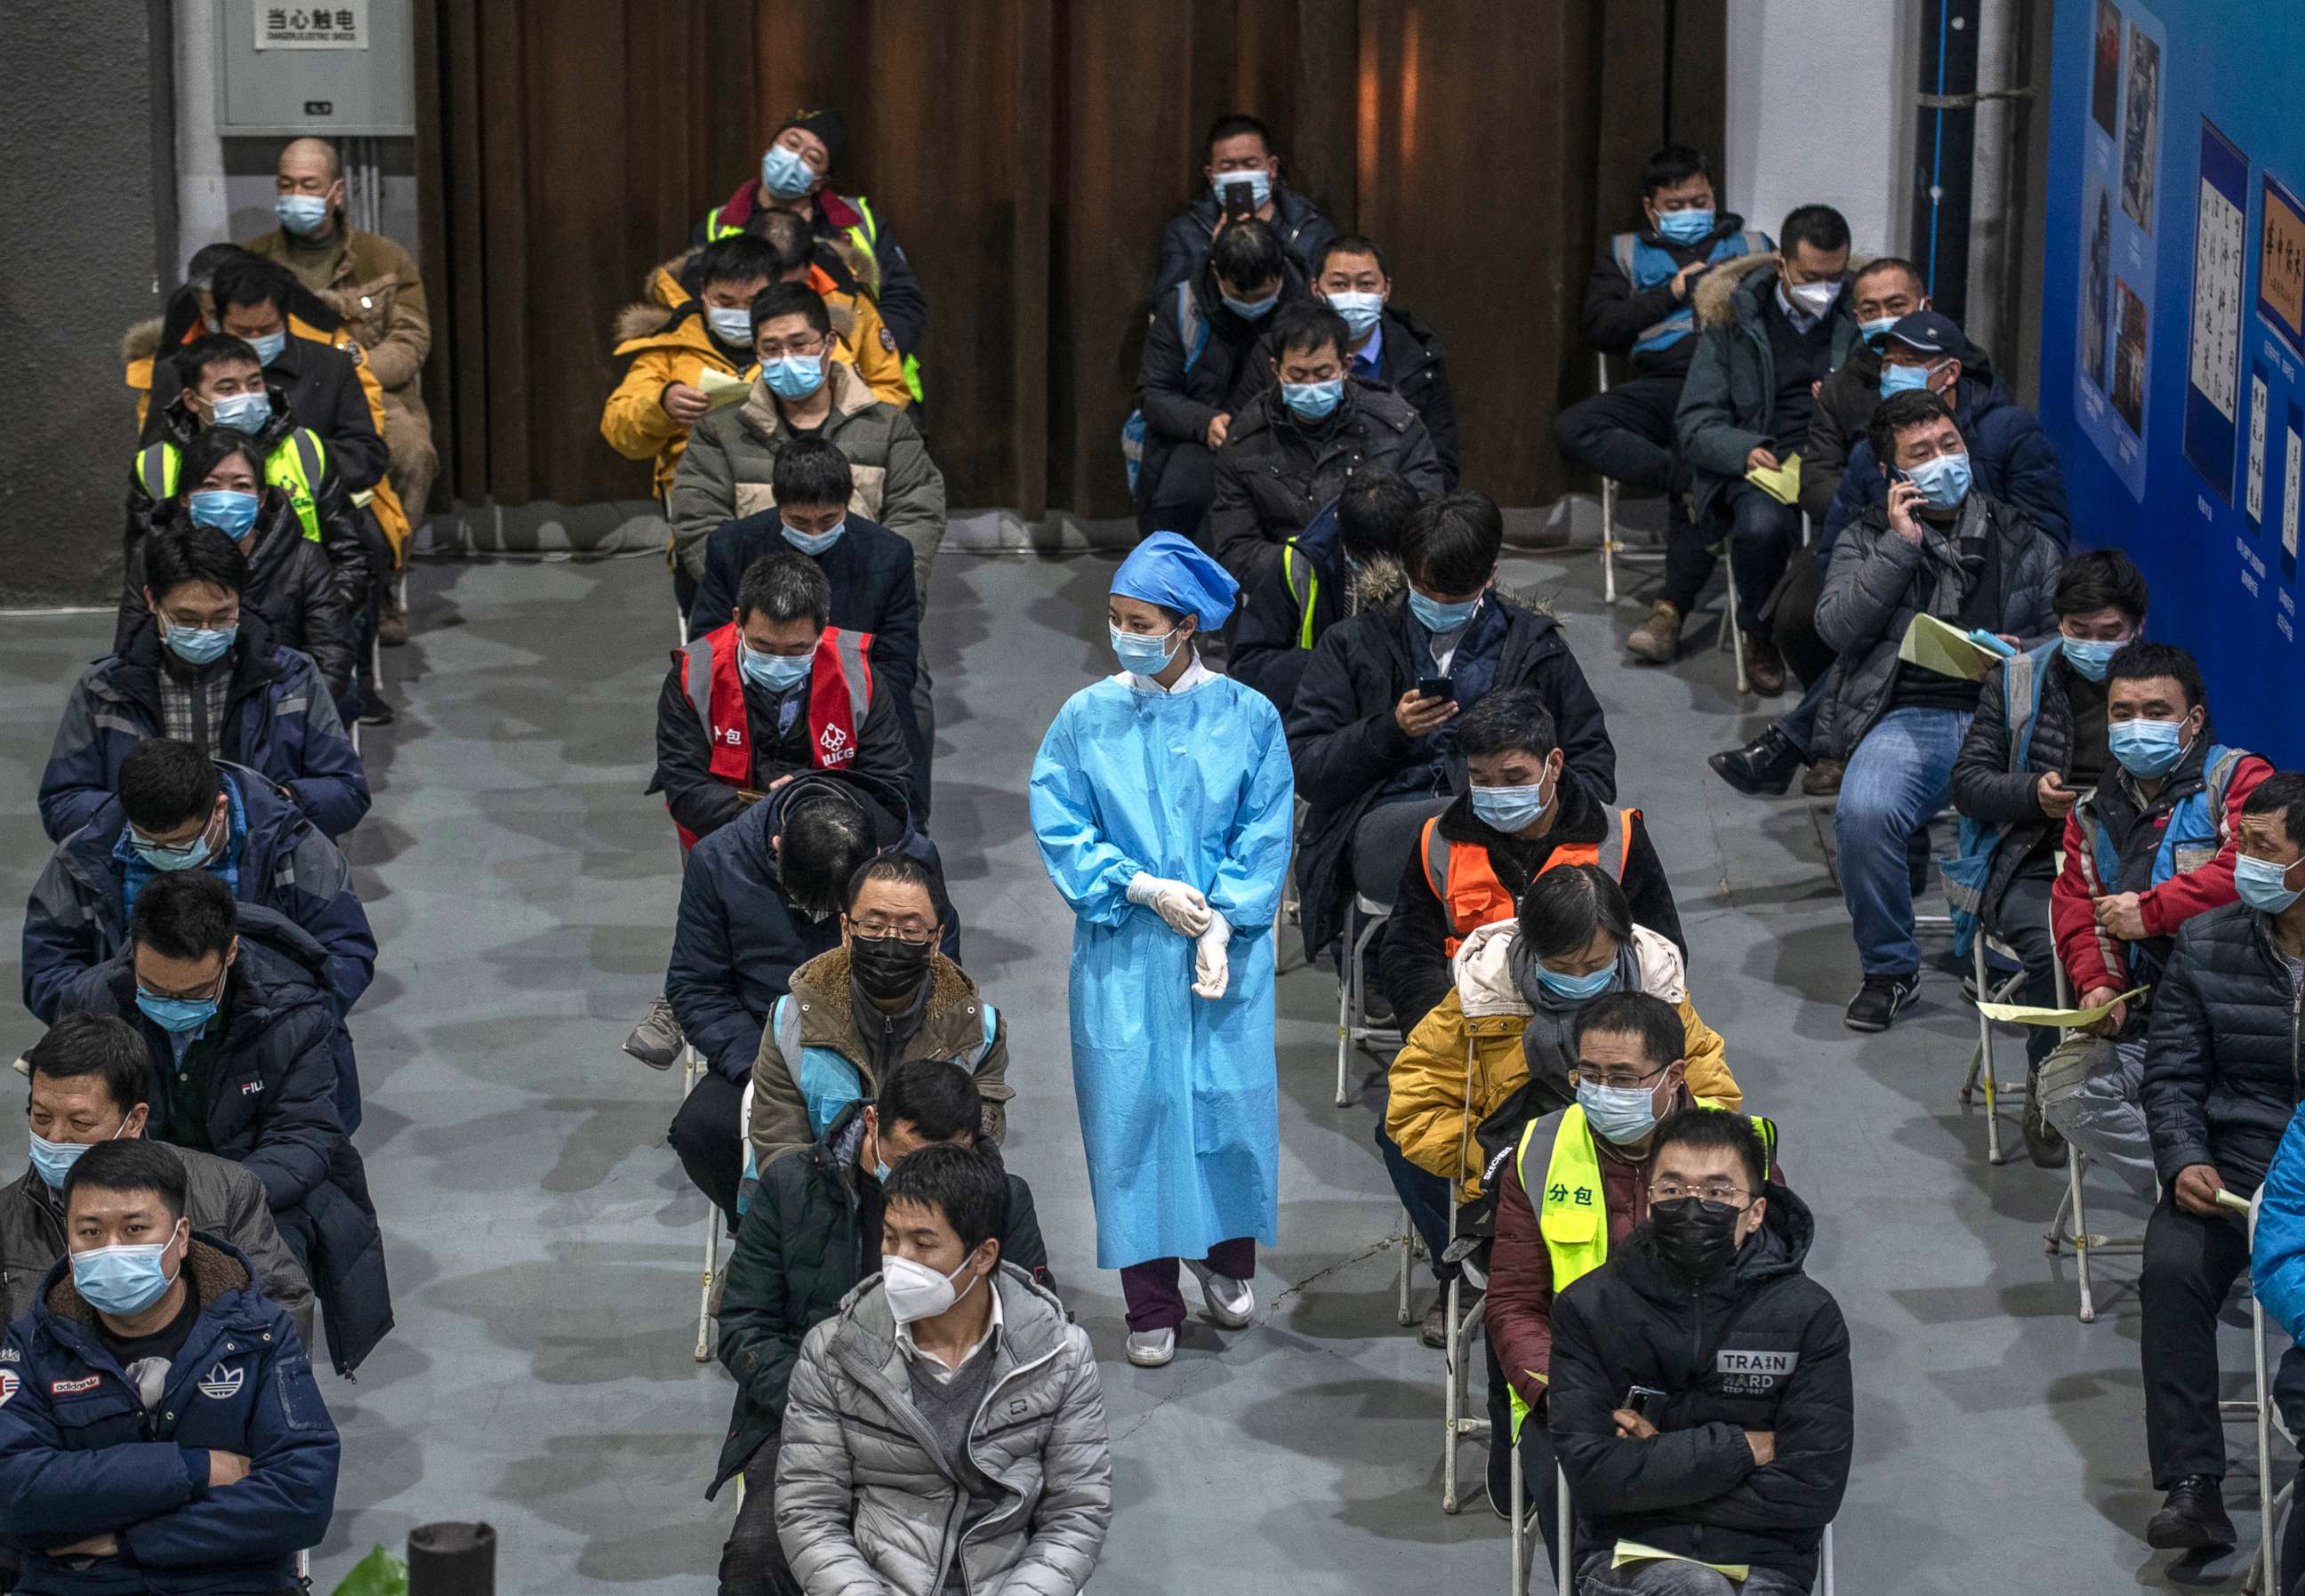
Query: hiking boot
x=1763 y=767
x=1824 y=779
x=2042 y=1143
x=1150 y=1349
x=656 y=1040
x=1434 y=1331
x=1764 y=667
x=1879 y=1000
x=1230 y=1302
x=1657 y=639
x=2193 y=1517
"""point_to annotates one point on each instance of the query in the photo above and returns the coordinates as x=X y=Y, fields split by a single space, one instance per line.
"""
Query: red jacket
x=2093 y=958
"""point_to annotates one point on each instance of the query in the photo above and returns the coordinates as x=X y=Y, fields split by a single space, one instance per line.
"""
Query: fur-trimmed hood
x=141 y=341
x=829 y=993
x=1717 y=286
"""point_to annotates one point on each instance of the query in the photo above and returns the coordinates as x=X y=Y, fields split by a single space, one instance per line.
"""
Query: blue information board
x=2173 y=340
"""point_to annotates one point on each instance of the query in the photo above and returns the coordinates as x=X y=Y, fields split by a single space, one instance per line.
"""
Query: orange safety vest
x=1462 y=877
x=839 y=693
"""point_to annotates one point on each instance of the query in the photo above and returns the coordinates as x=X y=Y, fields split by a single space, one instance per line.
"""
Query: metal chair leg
x=2267 y=1563
x=1729 y=627
x=2074 y=1158
x=1825 y=1571
x=1408 y=1249
x=1519 y=1533
x=1347 y=1006
x=691 y=1065
x=1564 y=1533
x=1451 y=1406
x=1608 y=539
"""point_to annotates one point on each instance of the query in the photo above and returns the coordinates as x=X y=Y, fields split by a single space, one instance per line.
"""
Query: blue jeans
x=1799 y=728
x=1425 y=1196
x=1899 y=776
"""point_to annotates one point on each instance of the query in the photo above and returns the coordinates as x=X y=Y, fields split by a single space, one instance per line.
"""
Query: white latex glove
x=1184 y=907
x=1211 y=972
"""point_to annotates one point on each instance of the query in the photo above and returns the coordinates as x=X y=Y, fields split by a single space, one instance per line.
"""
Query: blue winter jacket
x=275 y=858
x=2010 y=458
x=81 y=1457
x=279 y=722
x=2276 y=1262
x=738 y=938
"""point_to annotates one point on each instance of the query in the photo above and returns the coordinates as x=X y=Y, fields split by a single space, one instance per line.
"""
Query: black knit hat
x=829 y=125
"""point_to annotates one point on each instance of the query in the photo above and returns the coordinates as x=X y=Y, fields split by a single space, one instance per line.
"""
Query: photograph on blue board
x=2097 y=273
x=2140 y=136
x=2129 y=360
x=2104 y=86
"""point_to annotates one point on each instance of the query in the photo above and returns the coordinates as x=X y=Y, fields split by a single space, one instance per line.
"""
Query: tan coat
x=375 y=288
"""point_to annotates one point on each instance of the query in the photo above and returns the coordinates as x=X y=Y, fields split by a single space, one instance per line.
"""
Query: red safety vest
x=839 y=693
x=1465 y=882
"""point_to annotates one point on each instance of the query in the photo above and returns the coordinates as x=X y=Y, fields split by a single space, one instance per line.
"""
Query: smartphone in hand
x=1436 y=687
x=1239 y=201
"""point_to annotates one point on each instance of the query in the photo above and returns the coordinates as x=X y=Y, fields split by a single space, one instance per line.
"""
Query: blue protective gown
x=1178 y=1095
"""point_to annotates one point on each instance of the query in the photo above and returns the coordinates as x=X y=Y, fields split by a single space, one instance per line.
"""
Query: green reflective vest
x=296 y=467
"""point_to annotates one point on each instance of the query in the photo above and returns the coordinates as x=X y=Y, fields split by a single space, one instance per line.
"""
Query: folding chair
x=2075 y=1203
x=1458 y=1330
x=2264 y=1576
x=691 y=1071
x=1412 y=1248
x=1362 y=918
x=1732 y=639
x=1982 y=1069
x=1564 y=1574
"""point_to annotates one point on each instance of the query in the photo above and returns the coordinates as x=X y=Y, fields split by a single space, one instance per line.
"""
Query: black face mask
x=1696 y=1239
x=887 y=968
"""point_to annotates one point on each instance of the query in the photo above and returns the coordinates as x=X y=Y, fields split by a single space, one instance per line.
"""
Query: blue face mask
x=1575 y=989
x=1146 y=654
x=268 y=347
x=779 y=673
x=177 y=856
x=813 y=542
x=2262 y=884
x=1943 y=482
x=196 y=646
x=1509 y=809
x=182 y=1015
x=1436 y=616
x=1904 y=380
x=731 y=327
x=2145 y=748
x=122 y=1280
x=244 y=413
x=230 y=512
x=303 y=214
x=1620 y=1114
x=784 y=174
x=1870 y=330
x=1360 y=311
x=1685 y=226
x=1250 y=309
x=2088 y=658
x=1259 y=182
x=794 y=376
x=52 y=1160
x=1312 y=401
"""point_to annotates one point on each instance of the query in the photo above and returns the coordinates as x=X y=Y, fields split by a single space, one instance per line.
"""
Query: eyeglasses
x=1616 y=1075
x=1712 y=1193
x=810 y=343
x=904 y=930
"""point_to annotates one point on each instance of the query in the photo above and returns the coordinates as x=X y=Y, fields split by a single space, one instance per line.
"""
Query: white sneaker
x=1231 y=1302
x=1150 y=1349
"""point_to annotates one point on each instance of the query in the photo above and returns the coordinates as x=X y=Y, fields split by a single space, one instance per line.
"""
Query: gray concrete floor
x=545 y=1250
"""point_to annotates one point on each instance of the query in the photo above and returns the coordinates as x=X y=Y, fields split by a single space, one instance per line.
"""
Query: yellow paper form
x=2232 y=1200
x=722 y=390
x=1782 y=484
x=2068 y=1019
x=1935 y=646
x=1633 y=1551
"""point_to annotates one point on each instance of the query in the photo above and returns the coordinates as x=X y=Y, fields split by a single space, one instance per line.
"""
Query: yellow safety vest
x=1570 y=1212
x=296 y=471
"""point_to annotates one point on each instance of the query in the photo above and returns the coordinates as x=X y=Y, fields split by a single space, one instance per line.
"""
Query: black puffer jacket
x=1413 y=364
x=1762 y=1346
x=1274 y=473
x=290 y=583
x=812 y=1235
x=2222 y=1061
x=1345 y=744
x=1182 y=391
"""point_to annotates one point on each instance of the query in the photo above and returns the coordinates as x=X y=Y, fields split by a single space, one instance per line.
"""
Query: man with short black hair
x=1937 y=548
x=2221 y=1093
x=945 y=1430
x=240 y=1040
x=1884 y=289
x=810 y=1233
x=1639 y=306
x=1770 y=328
x=1238 y=153
x=206 y=671
x=1293 y=450
x=1346 y=558
x=89 y=1085
x=776 y=691
x=177 y=810
x=1374 y=751
x=1740 y=1454
x=162 y=1430
x=1202 y=364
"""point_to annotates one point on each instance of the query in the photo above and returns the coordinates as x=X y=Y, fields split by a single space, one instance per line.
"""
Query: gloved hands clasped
x=1185 y=908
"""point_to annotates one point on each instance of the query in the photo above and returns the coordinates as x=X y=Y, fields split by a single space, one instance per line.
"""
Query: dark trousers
x=1625 y=434
x=2288 y=1398
x=683 y=591
x=1761 y=534
x=2021 y=920
x=1181 y=497
x=753 y=1562
x=1150 y=1289
x=1425 y=1196
x=707 y=1136
x=2190 y=1263
x=1792 y=616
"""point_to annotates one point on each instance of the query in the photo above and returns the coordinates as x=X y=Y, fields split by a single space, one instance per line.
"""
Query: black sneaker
x=2043 y=1141
x=2193 y=1517
x=374 y=710
x=1877 y=1002
x=1765 y=767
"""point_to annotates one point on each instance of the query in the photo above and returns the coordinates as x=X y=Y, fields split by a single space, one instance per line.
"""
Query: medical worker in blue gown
x=1162 y=801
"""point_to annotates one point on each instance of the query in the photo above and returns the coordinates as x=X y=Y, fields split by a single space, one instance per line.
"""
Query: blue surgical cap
x=1167 y=569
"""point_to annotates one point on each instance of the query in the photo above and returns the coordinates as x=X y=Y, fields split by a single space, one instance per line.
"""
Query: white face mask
x=1815 y=299
x=917 y=1292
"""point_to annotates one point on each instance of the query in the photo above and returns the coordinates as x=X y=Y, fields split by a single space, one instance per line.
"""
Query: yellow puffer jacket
x=1486 y=1014
x=861 y=339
